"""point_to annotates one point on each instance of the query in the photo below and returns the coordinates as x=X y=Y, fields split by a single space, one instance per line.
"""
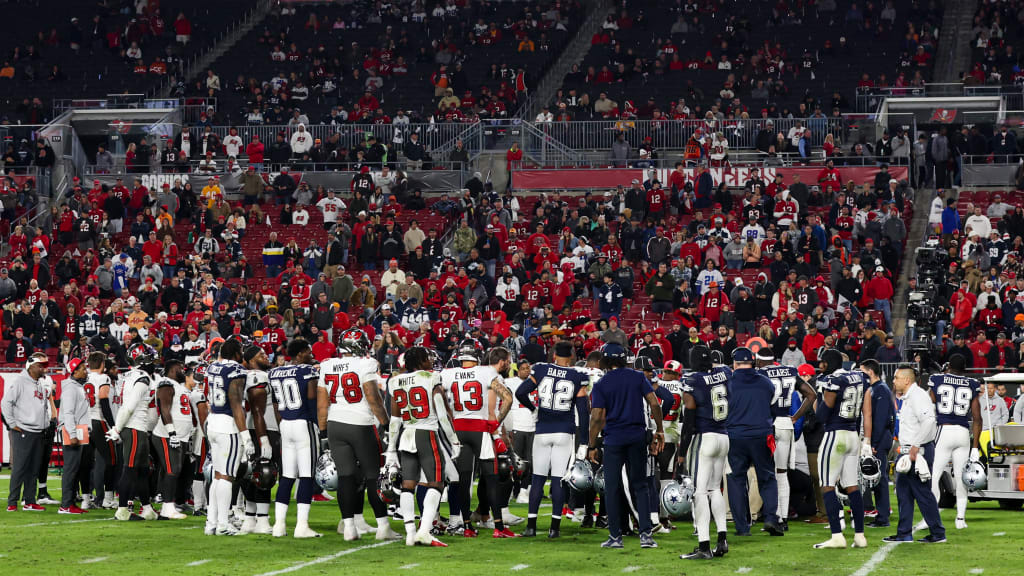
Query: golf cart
x=1005 y=457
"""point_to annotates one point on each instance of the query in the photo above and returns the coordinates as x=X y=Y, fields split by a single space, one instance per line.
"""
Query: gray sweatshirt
x=733 y=251
x=24 y=403
x=74 y=408
x=994 y=405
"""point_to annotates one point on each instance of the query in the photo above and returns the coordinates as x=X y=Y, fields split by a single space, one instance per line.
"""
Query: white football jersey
x=673 y=420
x=197 y=397
x=467 y=390
x=413 y=394
x=257 y=379
x=594 y=374
x=521 y=418
x=343 y=378
x=181 y=411
x=139 y=386
x=93 y=383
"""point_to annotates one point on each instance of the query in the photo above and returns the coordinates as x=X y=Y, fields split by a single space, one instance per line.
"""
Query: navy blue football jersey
x=953 y=398
x=290 y=386
x=710 y=390
x=849 y=386
x=557 y=388
x=219 y=376
x=786 y=379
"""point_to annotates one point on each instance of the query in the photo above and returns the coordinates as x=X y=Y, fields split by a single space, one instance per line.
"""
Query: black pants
x=46 y=452
x=69 y=480
x=26 y=451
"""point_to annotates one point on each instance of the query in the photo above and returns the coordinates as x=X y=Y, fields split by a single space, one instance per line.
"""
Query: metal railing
x=193 y=106
x=197 y=167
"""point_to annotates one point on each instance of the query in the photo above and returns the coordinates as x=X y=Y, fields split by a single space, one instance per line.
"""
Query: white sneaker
x=351 y=533
x=280 y=529
x=859 y=541
x=209 y=530
x=109 y=503
x=227 y=530
x=488 y=524
x=961 y=523
x=362 y=526
x=578 y=514
x=248 y=525
x=305 y=532
x=86 y=501
x=428 y=540
x=524 y=497
x=263 y=526
x=341 y=526
x=836 y=541
x=148 y=513
x=171 y=513
x=384 y=532
x=511 y=519
x=122 y=514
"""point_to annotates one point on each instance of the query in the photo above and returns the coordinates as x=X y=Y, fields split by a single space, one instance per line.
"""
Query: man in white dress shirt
x=917 y=443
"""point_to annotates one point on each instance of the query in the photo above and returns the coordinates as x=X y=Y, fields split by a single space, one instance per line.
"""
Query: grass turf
x=48 y=543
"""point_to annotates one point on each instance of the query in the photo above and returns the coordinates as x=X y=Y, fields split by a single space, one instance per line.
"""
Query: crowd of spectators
x=979 y=286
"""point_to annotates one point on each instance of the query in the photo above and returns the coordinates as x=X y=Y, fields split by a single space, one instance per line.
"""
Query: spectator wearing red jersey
x=979 y=350
x=829 y=176
x=182 y=29
x=813 y=341
x=254 y=150
x=711 y=304
x=880 y=290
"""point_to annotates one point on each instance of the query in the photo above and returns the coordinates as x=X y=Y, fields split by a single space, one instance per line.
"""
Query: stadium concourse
x=379 y=253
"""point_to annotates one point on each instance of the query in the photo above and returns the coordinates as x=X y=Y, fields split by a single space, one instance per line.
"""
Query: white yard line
x=328 y=558
x=744 y=570
x=629 y=569
x=408 y=567
x=197 y=563
x=882 y=553
x=975 y=570
x=999 y=534
x=64 y=522
x=93 y=560
x=519 y=567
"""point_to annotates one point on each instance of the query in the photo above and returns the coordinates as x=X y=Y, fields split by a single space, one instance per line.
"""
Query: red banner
x=733 y=176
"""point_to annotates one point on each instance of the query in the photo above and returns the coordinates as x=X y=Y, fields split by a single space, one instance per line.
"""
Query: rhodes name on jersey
x=953 y=397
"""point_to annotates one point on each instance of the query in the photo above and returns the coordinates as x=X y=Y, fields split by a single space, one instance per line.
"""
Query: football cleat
x=961 y=523
x=280 y=529
x=45 y=498
x=322 y=497
x=170 y=513
x=873 y=513
x=529 y=532
x=384 y=532
x=304 y=532
x=70 y=510
x=351 y=533
x=523 y=497
x=209 y=530
x=588 y=522
x=227 y=530
x=87 y=501
x=859 y=541
x=601 y=522
x=721 y=548
x=511 y=519
x=428 y=540
x=506 y=533
x=897 y=539
x=836 y=541
x=774 y=529
x=263 y=526
x=248 y=525
x=932 y=539
x=469 y=532
x=697 y=554
x=552 y=534
x=647 y=541
x=612 y=543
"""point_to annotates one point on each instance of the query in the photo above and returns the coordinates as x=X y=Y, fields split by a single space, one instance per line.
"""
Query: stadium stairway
x=953 y=55
x=917 y=233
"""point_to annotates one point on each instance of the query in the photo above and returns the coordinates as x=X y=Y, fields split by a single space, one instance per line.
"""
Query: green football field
x=47 y=543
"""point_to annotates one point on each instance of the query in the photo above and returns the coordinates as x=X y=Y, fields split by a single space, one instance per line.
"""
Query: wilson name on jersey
x=343 y=378
x=710 y=391
x=953 y=398
x=290 y=388
x=413 y=394
x=849 y=386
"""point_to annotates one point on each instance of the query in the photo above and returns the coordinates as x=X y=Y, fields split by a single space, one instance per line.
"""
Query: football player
x=669 y=383
x=563 y=410
x=839 y=408
x=173 y=427
x=786 y=380
x=474 y=392
x=586 y=498
x=956 y=402
x=262 y=410
x=294 y=390
x=418 y=410
x=131 y=428
x=666 y=401
x=226 y=380
x=100 y=392
x=195 y=381
x=349 y=409
x=523 y=428
x=706 y=408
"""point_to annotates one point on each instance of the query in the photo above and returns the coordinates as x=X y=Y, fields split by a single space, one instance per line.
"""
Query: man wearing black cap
x=751 y=443
x=618 y=410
